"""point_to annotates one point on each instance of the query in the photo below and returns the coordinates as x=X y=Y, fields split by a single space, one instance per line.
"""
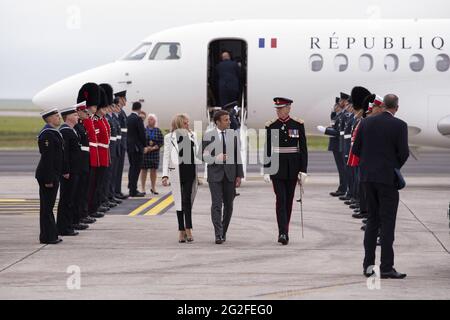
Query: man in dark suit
x=382 y=145
x=221 y=152
x=136 y=142
x=121 y=101
x=228 y=81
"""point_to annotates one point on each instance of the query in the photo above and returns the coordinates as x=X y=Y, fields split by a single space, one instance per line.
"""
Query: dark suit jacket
x=136 y=134
x=212 y=146
x=382 y=145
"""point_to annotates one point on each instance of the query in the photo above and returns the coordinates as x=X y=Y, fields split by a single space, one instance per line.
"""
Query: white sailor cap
x=68 y=110
x=49 y=112
x=80 y=106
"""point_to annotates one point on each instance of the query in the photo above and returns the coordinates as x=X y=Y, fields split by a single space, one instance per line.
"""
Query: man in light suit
x=382 y=146
x=221 y=152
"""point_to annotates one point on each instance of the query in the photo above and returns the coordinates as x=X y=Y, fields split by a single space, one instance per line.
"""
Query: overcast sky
x=43 y=41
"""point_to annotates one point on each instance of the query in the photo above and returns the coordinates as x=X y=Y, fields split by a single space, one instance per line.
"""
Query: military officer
x=67 y=221
x=121 y=101
x=83 y=185
x=48 y=172
x=286 y=161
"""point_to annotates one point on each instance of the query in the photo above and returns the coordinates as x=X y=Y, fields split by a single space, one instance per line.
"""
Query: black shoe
x=344 y=198
x=69 y=233
x=224 y=238
x=110 y=204
x=363 y=227
x=357 y=210
x=349 y=202
x=359 y=215
x=237 y=194
x=52 y=241
x=80 y=226
x=117 y=200
x=337 y=193
x=137 y=194
x=354 y=206
x=121 y=196
x=219 y=240
x=97 y=215
x=88 y=220
x=102 y=209
x=283 y=239
x=393 y=274
x=364 y=221
x=154 y=192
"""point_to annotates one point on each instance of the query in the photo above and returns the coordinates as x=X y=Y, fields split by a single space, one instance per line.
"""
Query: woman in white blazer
x=179 y=168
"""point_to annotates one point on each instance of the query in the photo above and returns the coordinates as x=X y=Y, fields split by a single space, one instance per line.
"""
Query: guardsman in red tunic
x=103 y=135
x=90 y=93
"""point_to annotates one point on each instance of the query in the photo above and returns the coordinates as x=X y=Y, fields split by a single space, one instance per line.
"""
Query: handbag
x=399 y=180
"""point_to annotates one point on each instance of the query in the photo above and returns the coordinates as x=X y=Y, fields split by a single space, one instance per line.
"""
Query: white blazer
x=171 y=167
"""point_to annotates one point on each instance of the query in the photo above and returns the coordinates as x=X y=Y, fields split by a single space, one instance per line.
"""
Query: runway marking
x=13 y=200
x=161 y=207
x=21 y=206
x=141 y=208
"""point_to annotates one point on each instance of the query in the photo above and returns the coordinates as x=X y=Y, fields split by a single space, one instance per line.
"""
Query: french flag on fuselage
x=262 y=42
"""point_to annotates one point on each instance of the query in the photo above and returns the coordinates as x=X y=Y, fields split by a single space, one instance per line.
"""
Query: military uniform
x=287 y=156
x=122 y=117
x=349 y=120
x=67 y=209
x=83 y=185
x=48 y=171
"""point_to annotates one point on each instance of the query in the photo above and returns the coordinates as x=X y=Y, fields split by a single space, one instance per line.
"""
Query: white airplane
x=309 y=61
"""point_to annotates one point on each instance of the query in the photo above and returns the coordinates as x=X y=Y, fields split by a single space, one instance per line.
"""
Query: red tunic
x=103 y=141
x=108 y=130
x=353 y=161
x=93 y=147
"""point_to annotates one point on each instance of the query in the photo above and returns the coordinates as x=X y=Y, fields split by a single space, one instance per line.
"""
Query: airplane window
x=416 y=62
x=366 y=62
x=166 y=51
x=139 y=53
x=316 y=62
x=442 y=62
x=341 y=62
x=391 y=63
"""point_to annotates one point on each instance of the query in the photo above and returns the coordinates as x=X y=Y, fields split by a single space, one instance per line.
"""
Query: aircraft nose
x=40 y=99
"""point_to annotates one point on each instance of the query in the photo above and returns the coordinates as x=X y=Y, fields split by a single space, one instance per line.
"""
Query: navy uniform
x=83 y=183
x=285 y=143
x=67 y=209
x=48 y=172
x=123 y=146
x=348 y=120
x=231 y=108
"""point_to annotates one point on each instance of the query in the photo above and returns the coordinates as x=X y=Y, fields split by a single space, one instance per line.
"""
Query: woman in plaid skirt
x=155 y=141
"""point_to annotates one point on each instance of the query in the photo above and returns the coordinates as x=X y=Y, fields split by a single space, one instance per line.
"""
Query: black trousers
x=47 y=198
x=135 y=159
x=382 y=203
x=119 y=173
x=112 y=177
x=96 y=178
x=339 y=160
x=82 y=197
x=67 y=204
x=284 y=192
x=185 y=216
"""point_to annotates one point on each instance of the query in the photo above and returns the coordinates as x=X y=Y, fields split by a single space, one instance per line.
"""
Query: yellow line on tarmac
x=141 y=208
x=161 y=206
x=13 y=200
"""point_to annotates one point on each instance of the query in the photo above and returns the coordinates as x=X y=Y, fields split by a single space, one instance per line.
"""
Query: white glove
x=302 y=178
x=267 y=178
x=321 y=129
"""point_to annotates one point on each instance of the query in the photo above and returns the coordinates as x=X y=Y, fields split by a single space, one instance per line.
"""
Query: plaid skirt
x=151 y=160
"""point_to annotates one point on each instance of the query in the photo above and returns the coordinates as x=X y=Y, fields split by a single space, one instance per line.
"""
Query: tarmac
x=133 y=252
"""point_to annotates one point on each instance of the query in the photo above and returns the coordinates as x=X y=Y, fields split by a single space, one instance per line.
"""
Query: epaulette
x=268 y=123
x=298 y=120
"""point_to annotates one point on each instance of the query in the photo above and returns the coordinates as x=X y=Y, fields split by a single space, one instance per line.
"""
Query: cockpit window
x=139 y=53
x=166 y=51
